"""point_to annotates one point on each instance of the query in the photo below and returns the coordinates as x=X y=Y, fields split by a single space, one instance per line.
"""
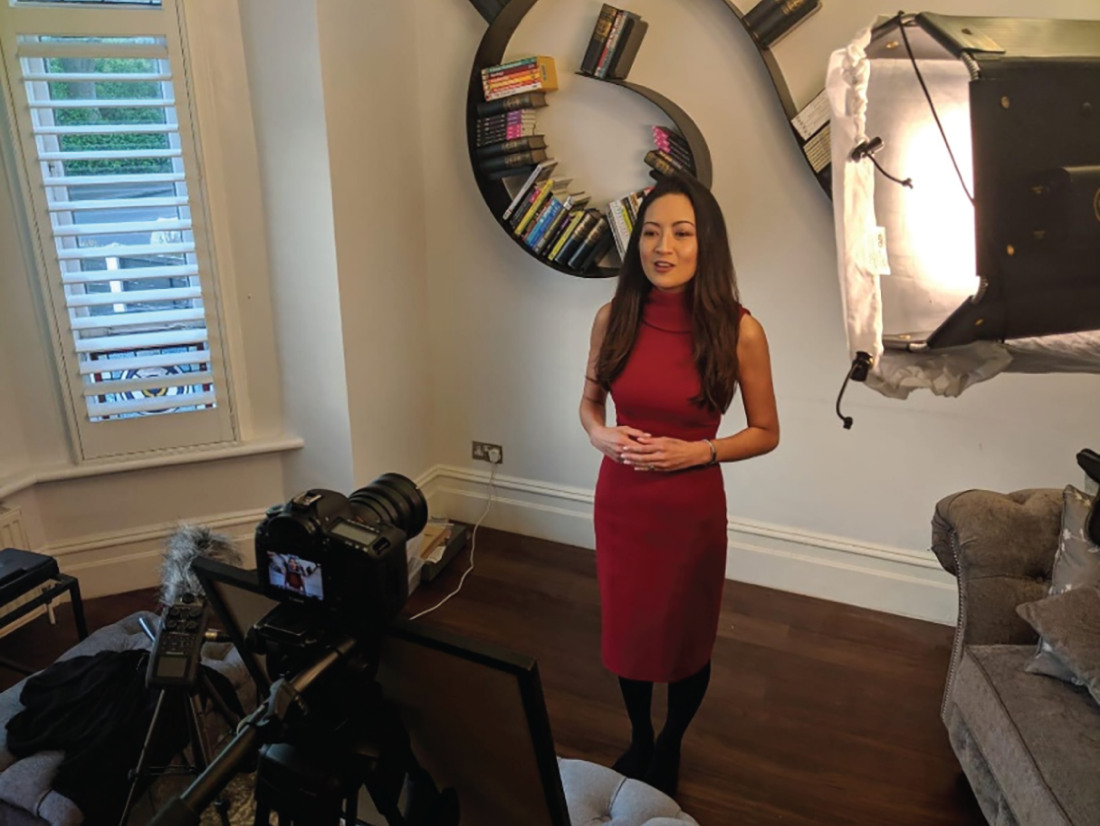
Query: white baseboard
x=897 y=581
x=128 y=560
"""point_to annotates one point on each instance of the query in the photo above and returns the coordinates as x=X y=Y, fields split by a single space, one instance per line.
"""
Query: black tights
x=657 y=762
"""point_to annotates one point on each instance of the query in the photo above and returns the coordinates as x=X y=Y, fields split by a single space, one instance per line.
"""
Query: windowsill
x=61 y=473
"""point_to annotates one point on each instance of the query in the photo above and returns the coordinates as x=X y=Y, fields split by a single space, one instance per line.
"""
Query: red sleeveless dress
x=660 y=536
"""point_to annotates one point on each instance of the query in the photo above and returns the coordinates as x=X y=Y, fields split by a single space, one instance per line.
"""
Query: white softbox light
x=1001 y=172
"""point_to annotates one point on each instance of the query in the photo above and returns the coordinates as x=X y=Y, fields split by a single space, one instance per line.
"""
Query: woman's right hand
x=610 y=441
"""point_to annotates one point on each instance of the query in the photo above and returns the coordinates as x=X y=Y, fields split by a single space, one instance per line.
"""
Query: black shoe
x=664 y=769
x=636 y=760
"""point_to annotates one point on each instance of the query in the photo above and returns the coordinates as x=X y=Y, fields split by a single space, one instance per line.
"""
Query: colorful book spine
x=533 y=75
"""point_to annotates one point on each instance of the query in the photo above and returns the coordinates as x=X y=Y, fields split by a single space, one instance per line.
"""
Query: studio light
x=966 y=156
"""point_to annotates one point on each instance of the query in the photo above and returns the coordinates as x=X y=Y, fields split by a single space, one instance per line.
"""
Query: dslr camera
x=342 y=557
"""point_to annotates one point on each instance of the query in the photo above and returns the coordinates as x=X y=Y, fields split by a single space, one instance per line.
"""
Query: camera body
x=342 y=556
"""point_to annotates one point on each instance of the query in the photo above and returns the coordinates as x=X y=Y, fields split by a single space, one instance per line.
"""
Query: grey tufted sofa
x=1028 y=744
x=598 y=796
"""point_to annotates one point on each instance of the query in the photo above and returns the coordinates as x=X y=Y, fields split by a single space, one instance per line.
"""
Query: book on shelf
x=559 y=214
x=510 y=161
x=509 y=126
x=524 y=100
x=662 y=162
x=528 y=74
x=540 y=173
x=615 y=41
x=622 y=214
x=593 y=246
x=596 y=43
x=509 y=172
x=769 y=20
x=508 y=147
x=674 y=145
x=529 y=210
x=578 y=231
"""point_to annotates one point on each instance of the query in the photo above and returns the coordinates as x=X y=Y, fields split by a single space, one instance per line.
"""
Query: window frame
x=144 y=435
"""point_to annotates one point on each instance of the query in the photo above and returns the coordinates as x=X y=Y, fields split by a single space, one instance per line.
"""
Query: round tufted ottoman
x=597 y=795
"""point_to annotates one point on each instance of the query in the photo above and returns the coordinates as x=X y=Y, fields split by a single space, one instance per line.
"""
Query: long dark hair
x=715 y=306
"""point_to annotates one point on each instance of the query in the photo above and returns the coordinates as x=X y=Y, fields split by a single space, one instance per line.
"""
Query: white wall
x=371 y=98
x=344 y=203
x=282 y=54
x=510 y=335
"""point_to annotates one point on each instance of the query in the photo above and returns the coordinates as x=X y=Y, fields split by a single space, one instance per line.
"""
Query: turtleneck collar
x=668 y=311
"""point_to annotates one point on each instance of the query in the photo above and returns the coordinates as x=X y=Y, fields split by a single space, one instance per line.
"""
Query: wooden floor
x=818 y=713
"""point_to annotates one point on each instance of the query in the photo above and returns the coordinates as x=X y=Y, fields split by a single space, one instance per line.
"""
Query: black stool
x=20 y=573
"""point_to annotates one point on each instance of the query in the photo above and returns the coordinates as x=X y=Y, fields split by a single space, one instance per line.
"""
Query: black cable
x=867 y=149
x=848 y=421
x=861 y=367
x=932 y=105
x=908 y=182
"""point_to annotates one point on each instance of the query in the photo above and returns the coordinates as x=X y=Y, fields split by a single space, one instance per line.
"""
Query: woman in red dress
x=671 y=349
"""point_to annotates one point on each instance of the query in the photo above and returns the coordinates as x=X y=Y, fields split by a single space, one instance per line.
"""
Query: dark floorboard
x=818 y=713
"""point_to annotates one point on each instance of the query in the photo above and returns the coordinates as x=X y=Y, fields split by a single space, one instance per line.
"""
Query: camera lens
x=395 y=500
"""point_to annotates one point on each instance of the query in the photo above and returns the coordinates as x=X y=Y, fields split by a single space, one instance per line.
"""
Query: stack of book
x=527 y=74
x=507 y=143
x=556 y=224
x=614 y=44
x=622 y=215
x=671 y=152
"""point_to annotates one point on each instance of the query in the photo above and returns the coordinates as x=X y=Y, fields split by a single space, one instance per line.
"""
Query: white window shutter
x=100 y=101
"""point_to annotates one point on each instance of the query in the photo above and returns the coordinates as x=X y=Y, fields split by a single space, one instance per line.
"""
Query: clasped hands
x=645 y=452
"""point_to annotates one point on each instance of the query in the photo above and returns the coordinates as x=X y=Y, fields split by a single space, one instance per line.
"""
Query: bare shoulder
x=603 y=318
x=751 y=332
x=603 y=315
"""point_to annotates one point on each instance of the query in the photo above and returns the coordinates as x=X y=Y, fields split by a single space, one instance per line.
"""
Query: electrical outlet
x=485 y=452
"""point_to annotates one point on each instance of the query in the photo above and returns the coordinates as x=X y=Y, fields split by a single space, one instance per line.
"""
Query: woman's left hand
x=664 y=454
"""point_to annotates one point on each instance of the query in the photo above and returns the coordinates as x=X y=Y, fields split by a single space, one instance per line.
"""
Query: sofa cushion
x=1070 y=625
x=1076 y=565
x=1039 y=736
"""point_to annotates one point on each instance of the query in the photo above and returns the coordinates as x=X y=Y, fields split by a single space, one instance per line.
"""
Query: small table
x=22 y=572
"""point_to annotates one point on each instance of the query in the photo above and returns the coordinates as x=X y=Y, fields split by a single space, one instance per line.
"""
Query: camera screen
x=295 y=575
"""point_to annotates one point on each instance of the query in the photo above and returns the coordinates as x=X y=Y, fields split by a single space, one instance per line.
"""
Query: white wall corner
x=893 y=580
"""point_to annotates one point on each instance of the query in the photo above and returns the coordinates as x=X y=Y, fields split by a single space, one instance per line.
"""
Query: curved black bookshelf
x=495 y=193
x=504 y=17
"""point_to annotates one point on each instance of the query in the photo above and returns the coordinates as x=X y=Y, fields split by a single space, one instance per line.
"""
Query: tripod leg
x=215 y=697
x=351 y=809
x=200 y=753
x=142 y=764
x=200 y=750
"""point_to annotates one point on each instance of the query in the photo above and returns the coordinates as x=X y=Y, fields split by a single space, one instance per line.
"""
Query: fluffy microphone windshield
x=183 y=547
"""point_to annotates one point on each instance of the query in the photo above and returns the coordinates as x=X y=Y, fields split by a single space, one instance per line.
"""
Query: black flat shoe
x=664 y=771
x=635 y=761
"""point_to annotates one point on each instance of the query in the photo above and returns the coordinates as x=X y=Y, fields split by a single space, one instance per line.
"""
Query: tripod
x=314 y=780
x=189 y=699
